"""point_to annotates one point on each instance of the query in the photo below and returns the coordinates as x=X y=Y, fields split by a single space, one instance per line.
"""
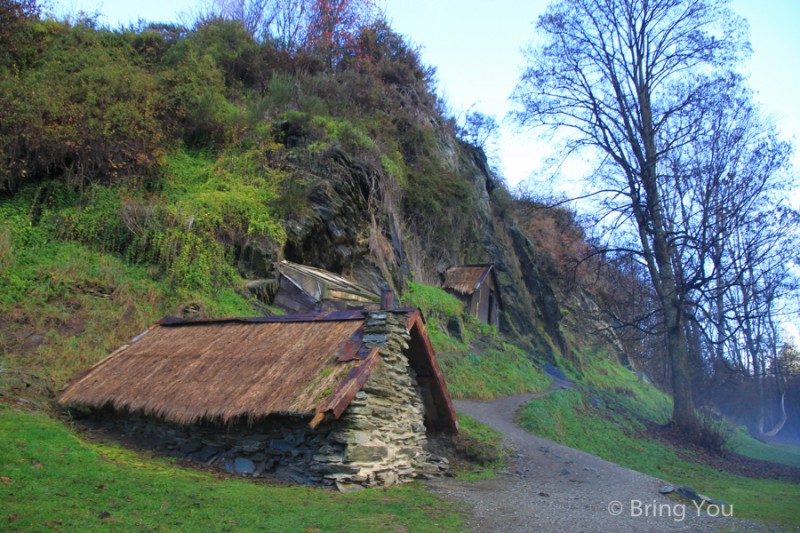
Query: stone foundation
x=379 y=440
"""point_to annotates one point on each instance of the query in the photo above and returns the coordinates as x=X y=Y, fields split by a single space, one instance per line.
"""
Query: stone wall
x=379 y=440
x=385 y=430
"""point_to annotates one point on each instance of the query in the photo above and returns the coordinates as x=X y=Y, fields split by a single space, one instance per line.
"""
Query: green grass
x=503 y=370
x=52 y=481
x=491 y=370
x=480 y=446
x=80 y=301
x=746 y=445
x=616 y=435
x=437 y=305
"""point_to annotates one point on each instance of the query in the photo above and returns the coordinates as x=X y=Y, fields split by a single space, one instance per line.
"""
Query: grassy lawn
x=614 y=433
x=52 y=481
x=480 y=453
x=785 y=454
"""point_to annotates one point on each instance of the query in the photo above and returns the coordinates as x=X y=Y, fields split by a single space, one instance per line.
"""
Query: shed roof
x=223 y=370
x=321 y=284
x=466 y=279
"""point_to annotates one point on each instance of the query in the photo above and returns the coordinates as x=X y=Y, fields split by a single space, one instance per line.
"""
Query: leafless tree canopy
x=691 y=176
x=294 y=24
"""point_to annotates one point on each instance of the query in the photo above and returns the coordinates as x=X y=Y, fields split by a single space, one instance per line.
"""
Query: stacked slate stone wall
x=379 y=440
x=385 y=430
x=280 y=445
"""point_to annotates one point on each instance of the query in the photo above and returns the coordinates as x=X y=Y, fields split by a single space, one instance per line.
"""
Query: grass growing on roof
x=51 y=480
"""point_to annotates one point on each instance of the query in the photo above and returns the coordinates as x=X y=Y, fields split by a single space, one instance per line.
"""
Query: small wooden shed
x=333 y=399
x=477 y=286
x=305 y=289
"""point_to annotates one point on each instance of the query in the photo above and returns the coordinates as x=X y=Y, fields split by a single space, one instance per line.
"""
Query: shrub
x=99 y=122
x=95 y=219
x=6 y=248
x=194 y=89
x=231 y=47
x=711 y=432
x=209 y=208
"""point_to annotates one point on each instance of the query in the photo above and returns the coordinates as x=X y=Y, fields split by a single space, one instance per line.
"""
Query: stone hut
x=344 y=399
x=476 y=286
x=305 y=289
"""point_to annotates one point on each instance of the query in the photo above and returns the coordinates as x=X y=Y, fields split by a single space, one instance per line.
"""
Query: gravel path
x=552 y=488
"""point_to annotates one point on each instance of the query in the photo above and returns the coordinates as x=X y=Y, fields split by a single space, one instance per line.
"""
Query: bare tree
x=478 y=129
x=621 y=76
x=325 y=27
x=725 y=195
x=290 y=25
x=256 y=16
x=334 y=27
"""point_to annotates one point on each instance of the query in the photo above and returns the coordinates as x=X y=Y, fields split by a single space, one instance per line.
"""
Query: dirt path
x=552 y=488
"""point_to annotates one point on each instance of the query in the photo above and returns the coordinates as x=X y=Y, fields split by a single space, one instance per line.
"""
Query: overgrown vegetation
x=183 y=147
x=141 y=183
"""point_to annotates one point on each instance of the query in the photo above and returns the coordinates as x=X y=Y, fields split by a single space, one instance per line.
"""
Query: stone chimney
x=387 y=299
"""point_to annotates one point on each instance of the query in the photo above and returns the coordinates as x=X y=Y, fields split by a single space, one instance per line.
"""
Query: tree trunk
x=682 y=403
x=663 y=272
x=778 y=426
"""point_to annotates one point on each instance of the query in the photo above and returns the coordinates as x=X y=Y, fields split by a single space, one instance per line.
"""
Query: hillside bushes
x=179 y=147
x=83 y=112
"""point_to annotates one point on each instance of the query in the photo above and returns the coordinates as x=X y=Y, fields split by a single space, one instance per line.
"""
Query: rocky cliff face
x=359 y=223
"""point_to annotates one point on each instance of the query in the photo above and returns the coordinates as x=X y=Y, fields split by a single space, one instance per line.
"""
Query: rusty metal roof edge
x=335 y=316
x=415 y=320
x=346 y=390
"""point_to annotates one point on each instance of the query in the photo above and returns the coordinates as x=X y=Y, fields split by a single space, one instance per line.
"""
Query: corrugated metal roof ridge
x=330 y=277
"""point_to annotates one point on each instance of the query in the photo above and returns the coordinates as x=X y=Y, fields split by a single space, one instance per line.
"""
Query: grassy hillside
x=65 y=303
x=477 y=362
x=172 y=164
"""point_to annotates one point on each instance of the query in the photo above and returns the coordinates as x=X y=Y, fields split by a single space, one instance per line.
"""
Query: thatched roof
x=226 y=370
x=466 y=279
x=321 y=284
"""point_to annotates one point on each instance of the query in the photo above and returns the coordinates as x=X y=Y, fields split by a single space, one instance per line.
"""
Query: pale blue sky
x=476 y=48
